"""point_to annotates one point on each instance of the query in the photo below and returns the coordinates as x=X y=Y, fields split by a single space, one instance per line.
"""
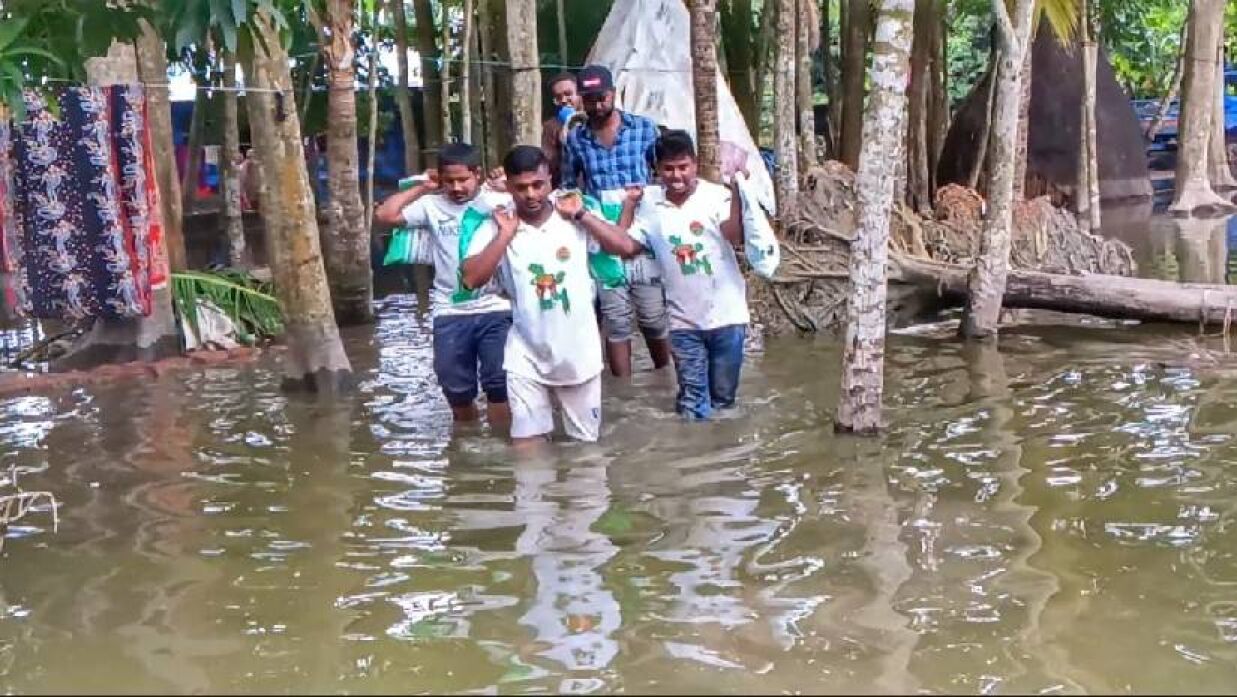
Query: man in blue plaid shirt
x=612 y=151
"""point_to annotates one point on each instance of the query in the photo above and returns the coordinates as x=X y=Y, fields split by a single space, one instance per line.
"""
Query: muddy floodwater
x=1059 y=517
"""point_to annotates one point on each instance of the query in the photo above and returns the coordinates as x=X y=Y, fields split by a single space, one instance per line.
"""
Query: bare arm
x=477 y=270
x=732 y=227
x=390 y=213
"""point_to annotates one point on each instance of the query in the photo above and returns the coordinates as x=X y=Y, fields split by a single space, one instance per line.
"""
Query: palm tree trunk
x=466 y=133
x=919 y=192
x=1087 y=194
x=315 y=357
x=347 y=243
x=939 y=108
x=739 y=35
x=987 y=280
x=1024 y=123
x=153 y=69
x=854 y=62
x=884 y=131
x=486 y=50
x=828 y=66
x=230 y=176
x=372 y=139
x=475 y=86
x=431 y=82
x=561 y=14
x=445 y=77
x=525 y=68
x=1219 y=171
x=704 y=83
x=197 y=127
x=805 y=24
x=786 y=183
x=403 y=94
x=1198 y=109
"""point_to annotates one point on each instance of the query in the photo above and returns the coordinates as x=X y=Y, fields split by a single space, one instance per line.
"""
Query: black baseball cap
x=595 y=80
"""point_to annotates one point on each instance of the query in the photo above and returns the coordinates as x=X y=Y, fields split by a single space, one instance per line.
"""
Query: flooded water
x=1055 y=517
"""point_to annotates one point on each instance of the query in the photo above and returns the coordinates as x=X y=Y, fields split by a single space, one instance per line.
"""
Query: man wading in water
x=693 y=230
x=539 y=254
x=613 y=151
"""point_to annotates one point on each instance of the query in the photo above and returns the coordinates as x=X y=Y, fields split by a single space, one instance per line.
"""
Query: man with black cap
x=610 y=153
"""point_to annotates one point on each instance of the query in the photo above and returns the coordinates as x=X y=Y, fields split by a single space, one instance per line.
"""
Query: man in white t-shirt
x=470 y=326
x=692 y=230
x=539 y=253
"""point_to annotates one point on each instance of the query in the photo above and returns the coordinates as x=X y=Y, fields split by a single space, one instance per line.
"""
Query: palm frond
x=1062 y=17
x=247 y=301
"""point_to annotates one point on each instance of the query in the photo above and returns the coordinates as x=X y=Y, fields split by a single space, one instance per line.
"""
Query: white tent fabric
x=646 y=44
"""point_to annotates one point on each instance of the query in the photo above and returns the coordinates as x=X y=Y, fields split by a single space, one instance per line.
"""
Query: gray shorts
x=645 y=303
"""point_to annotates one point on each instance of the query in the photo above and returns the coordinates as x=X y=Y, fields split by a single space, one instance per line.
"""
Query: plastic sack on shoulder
x=760 y=244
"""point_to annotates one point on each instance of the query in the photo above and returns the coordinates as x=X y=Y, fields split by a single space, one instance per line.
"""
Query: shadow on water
x=1053 y=516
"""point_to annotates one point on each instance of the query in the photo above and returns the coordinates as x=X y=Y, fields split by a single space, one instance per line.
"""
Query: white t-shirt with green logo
x=450 y=227
x=699 y=270
x=553 y=338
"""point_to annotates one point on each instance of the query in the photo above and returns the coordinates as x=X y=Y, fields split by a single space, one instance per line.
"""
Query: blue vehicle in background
x=1166 y=138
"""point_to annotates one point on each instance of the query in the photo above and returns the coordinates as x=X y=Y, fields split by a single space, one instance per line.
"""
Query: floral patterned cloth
x=83 y=205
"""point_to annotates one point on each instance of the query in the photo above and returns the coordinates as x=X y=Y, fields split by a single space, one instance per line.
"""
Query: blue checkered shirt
x=596 y=168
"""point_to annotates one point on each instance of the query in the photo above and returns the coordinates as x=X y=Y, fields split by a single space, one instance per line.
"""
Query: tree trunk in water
x=1219 y=172
x=466 y=77
x=704 y=83
x=448 y=132
x=152 y=67
x=403 y=94
x=193 y=163
x=884 y=132
x=431 y=81
x=805 y=24
x=1087 y=194
x=987 y=282
x=854 y=64
x=739 y=33
x=525 y=69
x=475 y=106
x=1174 y=87
x=372 y=141
x=979 y=166
x=828 y=68
x=1024 y=125
x=347 y=240
x=561 y=14
x=919 y=185
x=486 y=50
x=939 y=110
x=1198 y=109
x=230 y=175
x=315 y=357
x=140 y=338
x=786 y=181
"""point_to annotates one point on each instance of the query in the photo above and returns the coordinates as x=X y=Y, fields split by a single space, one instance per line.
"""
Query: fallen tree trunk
x=1118 y=297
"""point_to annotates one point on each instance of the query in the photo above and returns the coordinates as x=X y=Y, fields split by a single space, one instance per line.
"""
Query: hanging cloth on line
x=86 y=207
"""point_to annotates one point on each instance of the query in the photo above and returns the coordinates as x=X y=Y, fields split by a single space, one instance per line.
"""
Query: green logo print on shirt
x=547 y=285
x=469 y=225
x=690 y=258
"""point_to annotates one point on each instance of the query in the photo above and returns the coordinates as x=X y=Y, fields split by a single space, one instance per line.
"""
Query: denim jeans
x=707 y=363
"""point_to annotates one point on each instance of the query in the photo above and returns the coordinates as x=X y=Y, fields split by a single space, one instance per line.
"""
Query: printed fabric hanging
x=12 y=286
x=89 y=238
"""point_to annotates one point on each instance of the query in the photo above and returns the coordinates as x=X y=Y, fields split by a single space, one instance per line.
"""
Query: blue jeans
x=707 y=363
x=468 y=349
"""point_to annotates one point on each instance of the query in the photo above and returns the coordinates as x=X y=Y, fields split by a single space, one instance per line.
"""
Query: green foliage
x=51 y=40
x=1143 y=41
x=249 y=303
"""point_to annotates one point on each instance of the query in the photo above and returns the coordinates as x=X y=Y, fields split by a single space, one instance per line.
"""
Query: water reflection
x=1192 y=250
x=1053 y=516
